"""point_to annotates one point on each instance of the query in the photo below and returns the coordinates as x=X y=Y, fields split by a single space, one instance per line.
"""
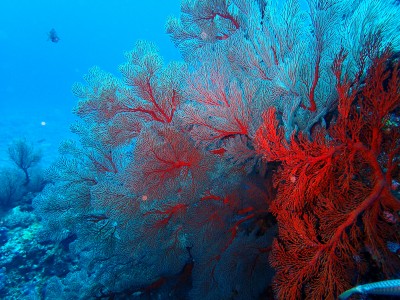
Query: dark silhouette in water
x=53 y=36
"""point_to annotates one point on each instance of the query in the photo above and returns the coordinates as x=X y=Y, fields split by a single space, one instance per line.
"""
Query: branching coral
x=168 y=188
x=334 y=191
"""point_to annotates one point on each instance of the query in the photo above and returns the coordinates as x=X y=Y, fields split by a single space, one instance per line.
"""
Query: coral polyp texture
x=262 y=166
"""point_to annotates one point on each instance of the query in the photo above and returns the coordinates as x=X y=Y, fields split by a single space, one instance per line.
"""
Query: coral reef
x=27 y=178
x=334 y=205
x=27 y=263
x=177 y=183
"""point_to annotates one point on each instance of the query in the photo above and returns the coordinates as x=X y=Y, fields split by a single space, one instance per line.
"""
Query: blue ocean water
x=36 y=75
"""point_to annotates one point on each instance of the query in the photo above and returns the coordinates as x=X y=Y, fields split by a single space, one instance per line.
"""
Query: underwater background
x=36 y=99
x=37 y=75
x=199 y=149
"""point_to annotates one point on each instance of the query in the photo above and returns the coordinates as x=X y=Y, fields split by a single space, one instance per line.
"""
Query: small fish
x=385 y=288
x=53 y=36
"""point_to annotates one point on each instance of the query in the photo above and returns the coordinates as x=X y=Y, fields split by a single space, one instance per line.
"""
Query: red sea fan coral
x=165 y=163
x=334 y=190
